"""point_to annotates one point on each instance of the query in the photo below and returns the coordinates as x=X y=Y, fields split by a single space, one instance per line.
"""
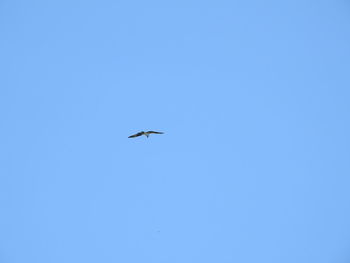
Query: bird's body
x=147 y=133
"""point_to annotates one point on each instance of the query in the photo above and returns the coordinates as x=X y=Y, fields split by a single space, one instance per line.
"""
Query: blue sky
x=253 y=97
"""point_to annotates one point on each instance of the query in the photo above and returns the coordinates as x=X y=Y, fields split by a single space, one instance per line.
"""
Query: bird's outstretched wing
x=136 y=135
x=149 y=132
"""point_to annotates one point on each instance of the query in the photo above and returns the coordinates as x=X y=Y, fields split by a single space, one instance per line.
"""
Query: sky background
x=253 y=97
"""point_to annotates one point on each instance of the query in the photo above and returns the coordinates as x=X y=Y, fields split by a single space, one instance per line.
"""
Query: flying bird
x=147 y=133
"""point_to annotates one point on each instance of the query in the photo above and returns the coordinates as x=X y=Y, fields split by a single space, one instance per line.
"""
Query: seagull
x=147 y=133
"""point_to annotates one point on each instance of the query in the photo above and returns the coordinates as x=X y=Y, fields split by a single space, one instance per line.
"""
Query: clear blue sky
x=254 y=100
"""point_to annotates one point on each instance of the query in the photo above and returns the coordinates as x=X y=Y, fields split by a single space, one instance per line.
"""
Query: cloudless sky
x=253 y=97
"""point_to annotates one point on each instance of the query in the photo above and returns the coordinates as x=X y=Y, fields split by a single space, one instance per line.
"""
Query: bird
x=147 y=133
